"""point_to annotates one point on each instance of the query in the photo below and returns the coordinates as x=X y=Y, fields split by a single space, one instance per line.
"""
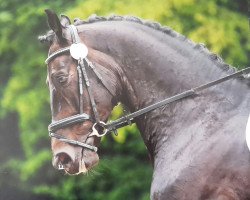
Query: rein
x=129 y=119
x=79 y=52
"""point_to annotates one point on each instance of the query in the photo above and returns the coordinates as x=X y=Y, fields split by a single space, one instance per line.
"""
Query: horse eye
x=62 y=79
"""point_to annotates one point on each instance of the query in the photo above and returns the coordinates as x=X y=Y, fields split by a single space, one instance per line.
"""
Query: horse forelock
x=47 y=38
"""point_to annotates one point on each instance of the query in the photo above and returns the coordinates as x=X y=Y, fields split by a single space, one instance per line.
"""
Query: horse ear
x=65 y=21
x=54 y=24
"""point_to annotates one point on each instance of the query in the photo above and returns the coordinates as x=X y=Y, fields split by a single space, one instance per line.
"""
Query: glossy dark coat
x=197 y=145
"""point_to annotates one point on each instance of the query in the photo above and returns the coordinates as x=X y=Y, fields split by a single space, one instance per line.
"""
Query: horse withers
x=197 y=145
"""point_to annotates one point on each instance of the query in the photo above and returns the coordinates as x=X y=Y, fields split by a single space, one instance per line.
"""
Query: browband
x=56 y=53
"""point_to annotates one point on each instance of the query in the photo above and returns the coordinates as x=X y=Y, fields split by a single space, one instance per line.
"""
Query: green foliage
x=124 y=171
x=223 y=30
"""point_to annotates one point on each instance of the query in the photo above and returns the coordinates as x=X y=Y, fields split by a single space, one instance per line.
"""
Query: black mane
x=157 y=26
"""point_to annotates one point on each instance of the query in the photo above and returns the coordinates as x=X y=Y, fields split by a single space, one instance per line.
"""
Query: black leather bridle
x=83 y=62
x=83 y=80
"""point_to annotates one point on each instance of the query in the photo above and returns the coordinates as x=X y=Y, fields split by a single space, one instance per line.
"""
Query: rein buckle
x=95 y=132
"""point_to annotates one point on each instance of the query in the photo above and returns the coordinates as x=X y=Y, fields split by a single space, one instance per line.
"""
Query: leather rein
x=79 y=52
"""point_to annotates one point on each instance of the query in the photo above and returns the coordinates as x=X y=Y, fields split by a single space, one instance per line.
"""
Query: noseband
x=79 y=52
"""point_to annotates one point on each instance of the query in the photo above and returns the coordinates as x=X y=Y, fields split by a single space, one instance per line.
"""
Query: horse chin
x=89 y=160
x=76 y=170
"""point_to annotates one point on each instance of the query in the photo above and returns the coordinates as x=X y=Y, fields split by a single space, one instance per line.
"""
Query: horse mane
x=217 y=60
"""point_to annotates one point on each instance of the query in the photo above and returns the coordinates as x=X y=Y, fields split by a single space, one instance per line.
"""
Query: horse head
x=79 y=98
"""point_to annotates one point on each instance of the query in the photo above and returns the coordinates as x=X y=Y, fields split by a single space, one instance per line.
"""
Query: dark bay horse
x=197 y=145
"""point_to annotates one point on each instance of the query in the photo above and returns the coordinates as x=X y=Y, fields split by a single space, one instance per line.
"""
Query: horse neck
x=153 y=66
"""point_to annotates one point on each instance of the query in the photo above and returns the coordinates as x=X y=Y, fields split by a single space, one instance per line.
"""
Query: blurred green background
x=124 y=171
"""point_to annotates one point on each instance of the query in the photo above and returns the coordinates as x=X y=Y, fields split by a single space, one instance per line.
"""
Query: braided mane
x=156 y=26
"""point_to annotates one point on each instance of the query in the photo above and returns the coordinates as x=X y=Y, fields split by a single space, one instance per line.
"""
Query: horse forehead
x=60 y=61
x=59 y=64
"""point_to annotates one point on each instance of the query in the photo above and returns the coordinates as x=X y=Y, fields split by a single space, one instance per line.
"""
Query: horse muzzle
x=74 y=160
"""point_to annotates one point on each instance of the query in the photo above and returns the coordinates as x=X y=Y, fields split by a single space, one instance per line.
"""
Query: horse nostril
x=63 y=159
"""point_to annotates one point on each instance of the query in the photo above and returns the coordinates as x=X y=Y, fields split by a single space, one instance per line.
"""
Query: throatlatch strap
x=90 y=64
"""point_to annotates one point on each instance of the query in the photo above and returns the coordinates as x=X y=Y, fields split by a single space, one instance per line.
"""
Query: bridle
x=77 y=52
x=83 y=62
